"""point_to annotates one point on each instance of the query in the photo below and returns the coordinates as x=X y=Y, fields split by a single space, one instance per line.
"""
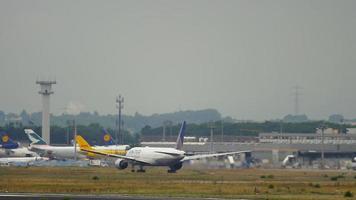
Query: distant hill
x=132 y=123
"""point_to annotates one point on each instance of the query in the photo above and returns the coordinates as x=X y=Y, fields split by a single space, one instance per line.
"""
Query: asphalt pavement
x=33 y=196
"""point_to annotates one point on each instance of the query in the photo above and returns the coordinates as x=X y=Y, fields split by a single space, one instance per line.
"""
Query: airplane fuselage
x=113 y=149
x=21 y=160
x=66 y=152
x=154 y=156
x=18 y=152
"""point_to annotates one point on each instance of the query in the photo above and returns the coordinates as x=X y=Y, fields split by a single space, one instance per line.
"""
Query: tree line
x=247 y=128
x=94 y=132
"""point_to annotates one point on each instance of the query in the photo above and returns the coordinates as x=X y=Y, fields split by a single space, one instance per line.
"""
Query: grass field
x=223 y=183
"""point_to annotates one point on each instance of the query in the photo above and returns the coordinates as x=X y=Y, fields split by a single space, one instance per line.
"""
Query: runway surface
x=32 y=196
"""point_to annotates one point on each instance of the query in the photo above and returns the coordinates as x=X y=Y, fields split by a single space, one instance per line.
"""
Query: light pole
x=165 y=125
x=75 y=137
x=119 y=106
x=281 y=130
x=323 y=127
x=211 y=126
x=74 y=110
x=222 y=130
x=68 y=129
x=170 y=124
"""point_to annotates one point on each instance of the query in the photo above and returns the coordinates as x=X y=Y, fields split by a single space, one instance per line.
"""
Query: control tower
x=46 y=91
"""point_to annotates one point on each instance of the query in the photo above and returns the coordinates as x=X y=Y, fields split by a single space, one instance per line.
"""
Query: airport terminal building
x=306 y=138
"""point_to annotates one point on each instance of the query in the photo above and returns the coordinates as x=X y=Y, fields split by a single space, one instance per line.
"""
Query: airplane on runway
x=39 y=146
x=10 y=148
x=154 y=156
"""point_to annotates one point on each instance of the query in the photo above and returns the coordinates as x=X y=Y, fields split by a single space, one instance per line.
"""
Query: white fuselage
x=18 y=152
x=112 y=147
x=21 y=160
x=155 y=156
x=67 y=152
x=58 y=152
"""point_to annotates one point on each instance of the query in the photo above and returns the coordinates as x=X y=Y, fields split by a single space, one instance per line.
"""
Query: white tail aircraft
x=39 y=146
x=153 y=156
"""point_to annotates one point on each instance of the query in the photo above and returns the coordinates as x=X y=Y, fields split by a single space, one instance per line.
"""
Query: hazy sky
x=240 y=57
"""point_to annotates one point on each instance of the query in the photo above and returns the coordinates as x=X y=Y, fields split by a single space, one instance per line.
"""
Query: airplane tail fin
x=6 y=142
x=34 y=138
x=180 y=138
x=107 y=138
x=83 y=144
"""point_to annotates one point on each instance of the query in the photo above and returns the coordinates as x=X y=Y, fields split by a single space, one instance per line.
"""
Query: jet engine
x=121 y=164
x=176 y=166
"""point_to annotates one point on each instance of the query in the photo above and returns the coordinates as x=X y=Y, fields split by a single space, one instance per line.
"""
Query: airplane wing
x=39 y=151
x=42 y=152
x=131 y=159
x=197 y=157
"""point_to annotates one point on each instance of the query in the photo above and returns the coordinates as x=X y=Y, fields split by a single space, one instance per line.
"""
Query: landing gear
x=132 y=168
x=141 y=170
x=175 y=167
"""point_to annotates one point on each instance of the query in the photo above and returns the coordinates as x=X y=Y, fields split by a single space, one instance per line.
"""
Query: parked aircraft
x=7 y=142
x=110 y=147
x=20 y=160
x=39 y=146
x=153 y=156
x=108 y=141
x=9 y=148
x=67 y=152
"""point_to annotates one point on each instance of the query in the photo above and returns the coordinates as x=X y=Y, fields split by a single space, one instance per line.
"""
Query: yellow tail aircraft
x=156 y=156
x=111 y=149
